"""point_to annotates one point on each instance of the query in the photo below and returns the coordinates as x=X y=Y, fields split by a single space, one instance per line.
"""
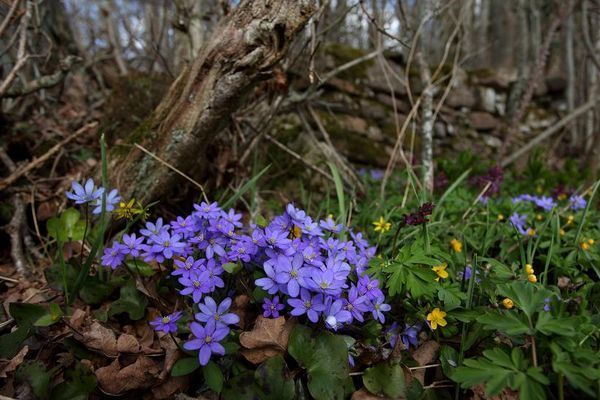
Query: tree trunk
x=242 y=50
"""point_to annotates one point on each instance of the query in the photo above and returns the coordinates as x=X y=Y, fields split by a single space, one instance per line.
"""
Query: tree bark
x=243 y=49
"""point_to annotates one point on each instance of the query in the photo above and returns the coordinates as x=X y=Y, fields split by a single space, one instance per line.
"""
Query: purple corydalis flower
x=113 y=256
x=206 y=339
x=210 y=311
x=307 y=304
x=84 y=194
x=272 y=307
x=112 y=198
x=132 y=245
x=166 y=324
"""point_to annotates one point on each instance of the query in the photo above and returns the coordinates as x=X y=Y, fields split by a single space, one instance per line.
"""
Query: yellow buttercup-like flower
x=500 y=217
x=530 y=232
x=585 y=246
x=529 y=269
x=562 y=232
x=436 y=317
x=570 y=219
x=590 y=241
x=381 y=225
x=508 y=303
x=539 y=217
x=128 y=210
x=532 y=278
x=456 y=245
x=440 y=270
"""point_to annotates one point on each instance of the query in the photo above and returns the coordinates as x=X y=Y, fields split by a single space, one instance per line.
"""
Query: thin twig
x=21 y=56
x=39 y=161
x=8 y=17
x=172 y=168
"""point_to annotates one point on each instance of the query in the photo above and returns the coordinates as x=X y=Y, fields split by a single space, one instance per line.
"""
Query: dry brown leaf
x=268 y=338
x=505 y=394
x=363 y=394
x=77 y=318
x=167 y=389
x=13 y=363
x=240 y=307
x=115 y=380
x=99 y=338
x=424 y=355
x=128 y=344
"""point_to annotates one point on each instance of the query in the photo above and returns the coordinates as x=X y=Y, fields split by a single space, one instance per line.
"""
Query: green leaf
x=508 y=321
x=241 y=387
x=213 y=377
x=325 y=358
x=549 y=324
x=132 y=302
x=140 y=268
x=231 y=268
x=67 y=226
x=25 y=314
x=53 y=316
x=385 y=379
x=95 y=291
x=35 y=374
x=10 y=344
x=274 y=379
x=526 y=296
x=79 y=383
x=449 y=360
x=451 y=295
x=185 y=366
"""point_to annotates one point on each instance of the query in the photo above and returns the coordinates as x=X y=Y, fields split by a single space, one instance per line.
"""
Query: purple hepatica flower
x=184 y=268
x=545 y=203
x=522 y=197
x=356 y=304
x=359 y=240
x=211 y=275
x=113 y=256
x=206 y=339
x=325 y=282
x=289 y=273
x=276 y=238
x=154 y=229
x=467 y=275
x=484 y=200
x=210 y=311
x=84 y=194
x=272 y=307
x=297 y=215
x=336 y=314
x=233 y=218
x=330 y=225
x=519 y=221
x=369 y=288
x=112 y=198
x=577 y=202
x=243 y=249
x=168 y=245
x=311 y=306
x=269 y=282
x=214 y=245
x=207 y=211
x=184 y=226
x=194 y=285
x=166 y=324
x=132 y=245
x=311 y=228
x=410 y=335
x=379 y=307
x=377 y=174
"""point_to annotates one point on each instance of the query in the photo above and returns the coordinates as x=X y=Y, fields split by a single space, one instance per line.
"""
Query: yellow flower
x=562 y=196
x=590 y=241
x=532 y=278
x=539 y=189
x=440 y=270
x=436 y=317
x=530 y=232
x=500 y=217
x=562 y=232
x=508 y=303
x=381 y=225
x=456 y=245
x=585 y=246
x=539 y=217
x=127 y=210
x=529 y=269
x=570 y=219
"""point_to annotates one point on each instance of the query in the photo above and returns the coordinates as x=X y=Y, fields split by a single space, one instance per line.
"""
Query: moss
x=343 y=54
x=132 y=100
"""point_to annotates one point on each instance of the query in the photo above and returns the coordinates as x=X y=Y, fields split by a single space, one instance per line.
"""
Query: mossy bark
x=242 y=50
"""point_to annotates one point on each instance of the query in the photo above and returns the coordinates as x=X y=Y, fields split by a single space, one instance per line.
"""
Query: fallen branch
x=43 y=82
x=39 y=161
x=552 y=130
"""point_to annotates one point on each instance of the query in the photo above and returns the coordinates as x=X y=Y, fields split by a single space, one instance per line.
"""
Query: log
x=242 y=51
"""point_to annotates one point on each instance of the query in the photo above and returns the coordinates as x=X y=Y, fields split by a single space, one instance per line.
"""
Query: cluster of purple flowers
x=89 y=193
x=520 y=223
x=310 y=266
x=419 y=217
x=543 y=202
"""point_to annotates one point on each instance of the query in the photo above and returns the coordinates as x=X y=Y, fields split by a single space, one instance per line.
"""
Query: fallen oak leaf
x=114 y=380
x=269 y=337
x=99 y=338
x=128 y=344
x=424 y=355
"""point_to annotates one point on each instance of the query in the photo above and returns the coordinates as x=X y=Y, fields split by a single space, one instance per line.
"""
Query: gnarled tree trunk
x=241 y=51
